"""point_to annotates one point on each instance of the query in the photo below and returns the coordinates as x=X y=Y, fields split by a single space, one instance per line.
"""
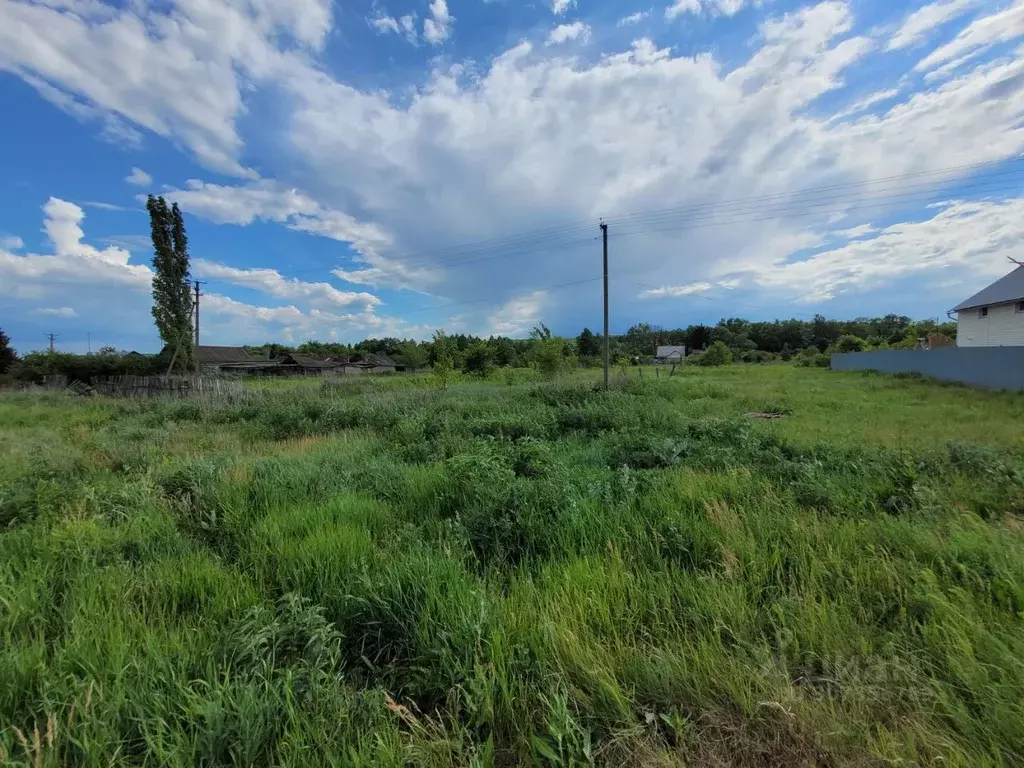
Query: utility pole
x=195 y=344
x=607 y=361
x=52 y=337
x=88 y=338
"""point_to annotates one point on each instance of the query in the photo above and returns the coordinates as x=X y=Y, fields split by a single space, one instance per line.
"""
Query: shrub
x=716 y=354
x=479 y=360
x=812 y=358
x=850 y=343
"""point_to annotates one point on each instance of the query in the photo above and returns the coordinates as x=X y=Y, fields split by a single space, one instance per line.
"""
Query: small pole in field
x=607 y=360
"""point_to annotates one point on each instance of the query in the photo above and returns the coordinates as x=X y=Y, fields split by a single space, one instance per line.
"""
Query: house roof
x=371 y=360
x=215 y=355
x=1005 y=289
x=678 y=351
x=308 y=361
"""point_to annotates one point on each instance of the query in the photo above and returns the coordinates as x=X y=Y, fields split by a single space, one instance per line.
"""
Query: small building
x=670 y=355
x=994 y=316
x=296 y=363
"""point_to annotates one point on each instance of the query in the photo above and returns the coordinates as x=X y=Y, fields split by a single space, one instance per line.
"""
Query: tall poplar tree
x=172 y=295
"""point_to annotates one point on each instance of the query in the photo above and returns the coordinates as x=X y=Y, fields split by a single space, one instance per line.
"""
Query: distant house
x=669 y=355
x=994 y=316
x=364 y=363
x=294 y=362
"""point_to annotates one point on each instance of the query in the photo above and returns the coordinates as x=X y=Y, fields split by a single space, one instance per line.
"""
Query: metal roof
x=677 y=351
x=214 y=355
x=1002 y=291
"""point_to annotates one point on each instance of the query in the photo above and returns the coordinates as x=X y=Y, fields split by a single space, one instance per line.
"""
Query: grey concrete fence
x=990 y=367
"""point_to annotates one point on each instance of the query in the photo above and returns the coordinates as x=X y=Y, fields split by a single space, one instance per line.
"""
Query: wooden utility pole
x=52 y=337
x=607 y=359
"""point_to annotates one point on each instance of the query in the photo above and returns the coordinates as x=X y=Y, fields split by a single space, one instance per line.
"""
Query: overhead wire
x=510 y=245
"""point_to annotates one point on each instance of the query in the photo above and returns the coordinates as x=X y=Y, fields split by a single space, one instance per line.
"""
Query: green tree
x=479 y=360
x=413 y=355
x=443 y=358
x=8 y=356
x=849 y=343
x=548 y=351
x=172 y=295
x=587 y=344
x=717 y=354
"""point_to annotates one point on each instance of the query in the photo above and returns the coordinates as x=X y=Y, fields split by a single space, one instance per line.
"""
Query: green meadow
x=381 y=572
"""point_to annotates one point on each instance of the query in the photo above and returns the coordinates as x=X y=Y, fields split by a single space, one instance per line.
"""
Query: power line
x=507 y=298
x=800 y=211
x=704 y=297
x=509 y=245
x=819 y=190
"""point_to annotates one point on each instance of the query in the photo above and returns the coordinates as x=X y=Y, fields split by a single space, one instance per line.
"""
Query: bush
x=756 y=356
x=850 y=343
x=716 y=354
x=479 y=360
x=35 y=366
x=812 y=358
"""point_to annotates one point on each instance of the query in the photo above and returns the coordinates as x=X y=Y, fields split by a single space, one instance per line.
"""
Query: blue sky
x=386 y=168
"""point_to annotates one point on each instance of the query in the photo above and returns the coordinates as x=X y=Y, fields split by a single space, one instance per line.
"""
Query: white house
x=669 y=355
x=994 y=316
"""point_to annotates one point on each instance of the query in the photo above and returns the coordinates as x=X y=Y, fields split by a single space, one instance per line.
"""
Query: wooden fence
x=149 y=386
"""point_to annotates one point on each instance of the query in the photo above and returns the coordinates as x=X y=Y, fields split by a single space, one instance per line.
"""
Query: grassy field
x=513 y=572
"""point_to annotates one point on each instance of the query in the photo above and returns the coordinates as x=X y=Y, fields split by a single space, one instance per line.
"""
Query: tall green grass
x=383 y=573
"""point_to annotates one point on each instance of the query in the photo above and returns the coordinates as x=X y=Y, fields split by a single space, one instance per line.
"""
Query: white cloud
x=97 y=280
x=408 y=24
x=633 y=18
x=980 y=34
x=577 y=30
x=11 y=243
x=558 y=7
x=438 y=27
x=523 y=142
x=139 y=178
x=518 y=314
x=273 y=283
x=676 y=290
x=270 y=201
x=104 y=206
x=712 y=7
x=975 y=237
x=856 y=232
x=64 y=312
x=384 y=24
x=917 y=25
x=405 y=26
x=866 y=103
x=179 y=72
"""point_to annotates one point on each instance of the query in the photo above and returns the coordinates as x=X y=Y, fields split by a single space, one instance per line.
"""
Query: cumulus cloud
x=72 y=263
x=139 y=178
x=11 y=243
x=178 y=72
x=384 y=24
x=518 y=315
x=523 y=143
x=558 y=7
x=270 y=201
x=273 y=283
x=712 y=7
x=975 y=237
x=438 y=27
x=577 y=30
